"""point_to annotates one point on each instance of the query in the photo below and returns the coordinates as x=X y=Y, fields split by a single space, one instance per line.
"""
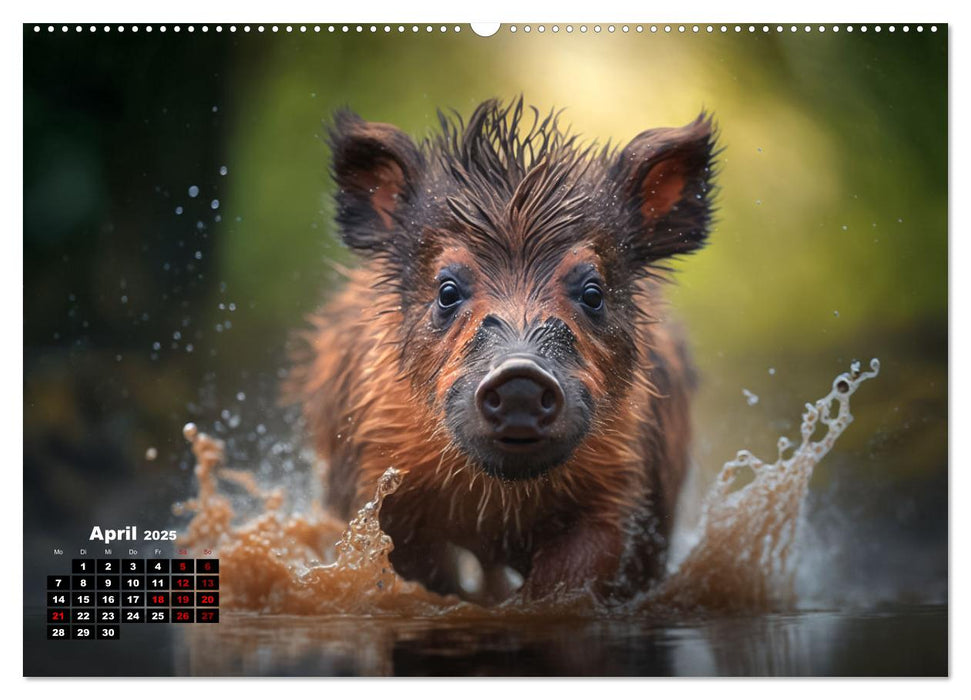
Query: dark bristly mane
x=515 y=181
x=499 y=144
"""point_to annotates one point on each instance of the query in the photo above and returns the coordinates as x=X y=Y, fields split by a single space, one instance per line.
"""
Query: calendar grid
x=98 y=596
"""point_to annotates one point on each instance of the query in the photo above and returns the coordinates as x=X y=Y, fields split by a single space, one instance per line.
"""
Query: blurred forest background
x=178 y=227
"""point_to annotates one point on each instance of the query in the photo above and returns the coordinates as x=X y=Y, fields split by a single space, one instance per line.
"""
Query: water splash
x=315 y=564
x=290 y=564
x=742 y=558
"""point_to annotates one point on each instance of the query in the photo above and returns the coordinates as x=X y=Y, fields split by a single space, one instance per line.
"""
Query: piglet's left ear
x=376 y=167
x=665 y=175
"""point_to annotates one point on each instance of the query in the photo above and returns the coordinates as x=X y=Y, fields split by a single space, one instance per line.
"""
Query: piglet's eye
x=449 y=294
x=592 y=296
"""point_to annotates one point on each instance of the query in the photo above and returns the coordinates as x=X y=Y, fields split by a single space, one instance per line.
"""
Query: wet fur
x=515 y=202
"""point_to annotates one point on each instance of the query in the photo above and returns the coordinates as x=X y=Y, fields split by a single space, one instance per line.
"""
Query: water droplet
x=214 y=204
x=150 y=454
x=240 y=396
x=178 y=211
x=193 y=191
x=223 y=170
x=750 y=398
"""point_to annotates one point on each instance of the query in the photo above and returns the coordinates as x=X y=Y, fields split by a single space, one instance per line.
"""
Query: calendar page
x=523 y=349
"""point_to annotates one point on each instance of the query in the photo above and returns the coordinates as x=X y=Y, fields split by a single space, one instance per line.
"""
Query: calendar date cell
x=80 y=599
x=157 y=566
x=109 y=566
x=108 y=631
x=80 y=616
x=207 y=566
x=82 y=583
x=109 y=583
x=132 y=566
x=82 y=631
x=157 y=616
x=210 y=616
x=210 y=600
x=158 y=599
x=132 y=615
x=82 y=566
x=157 y=583
x=56 y=599
x=58 y=583
x=58 y=632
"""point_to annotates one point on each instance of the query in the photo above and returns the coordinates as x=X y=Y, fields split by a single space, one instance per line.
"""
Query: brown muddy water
x=304 y=594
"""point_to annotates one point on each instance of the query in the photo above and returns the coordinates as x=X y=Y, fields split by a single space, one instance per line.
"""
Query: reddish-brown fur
x=375 y=380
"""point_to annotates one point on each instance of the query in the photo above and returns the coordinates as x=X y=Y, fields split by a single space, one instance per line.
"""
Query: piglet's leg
x=585 y=555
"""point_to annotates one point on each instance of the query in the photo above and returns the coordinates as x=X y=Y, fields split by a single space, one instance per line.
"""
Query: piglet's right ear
x=376 y=167
x=666 y=177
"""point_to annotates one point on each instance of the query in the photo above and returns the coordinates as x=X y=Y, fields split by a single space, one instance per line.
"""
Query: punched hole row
x=541 y=29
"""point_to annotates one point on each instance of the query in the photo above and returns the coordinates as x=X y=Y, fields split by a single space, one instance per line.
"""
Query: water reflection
x=802 y=644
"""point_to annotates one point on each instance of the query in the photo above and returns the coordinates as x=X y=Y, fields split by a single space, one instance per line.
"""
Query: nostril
x=548 y=400
x=519 y=396
x=492 y=399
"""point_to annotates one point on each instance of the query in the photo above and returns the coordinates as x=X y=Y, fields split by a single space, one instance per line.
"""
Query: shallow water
x=305 y=594
x=895 y=641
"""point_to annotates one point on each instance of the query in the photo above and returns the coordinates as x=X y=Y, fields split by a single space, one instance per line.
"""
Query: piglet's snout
x=519 y=399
